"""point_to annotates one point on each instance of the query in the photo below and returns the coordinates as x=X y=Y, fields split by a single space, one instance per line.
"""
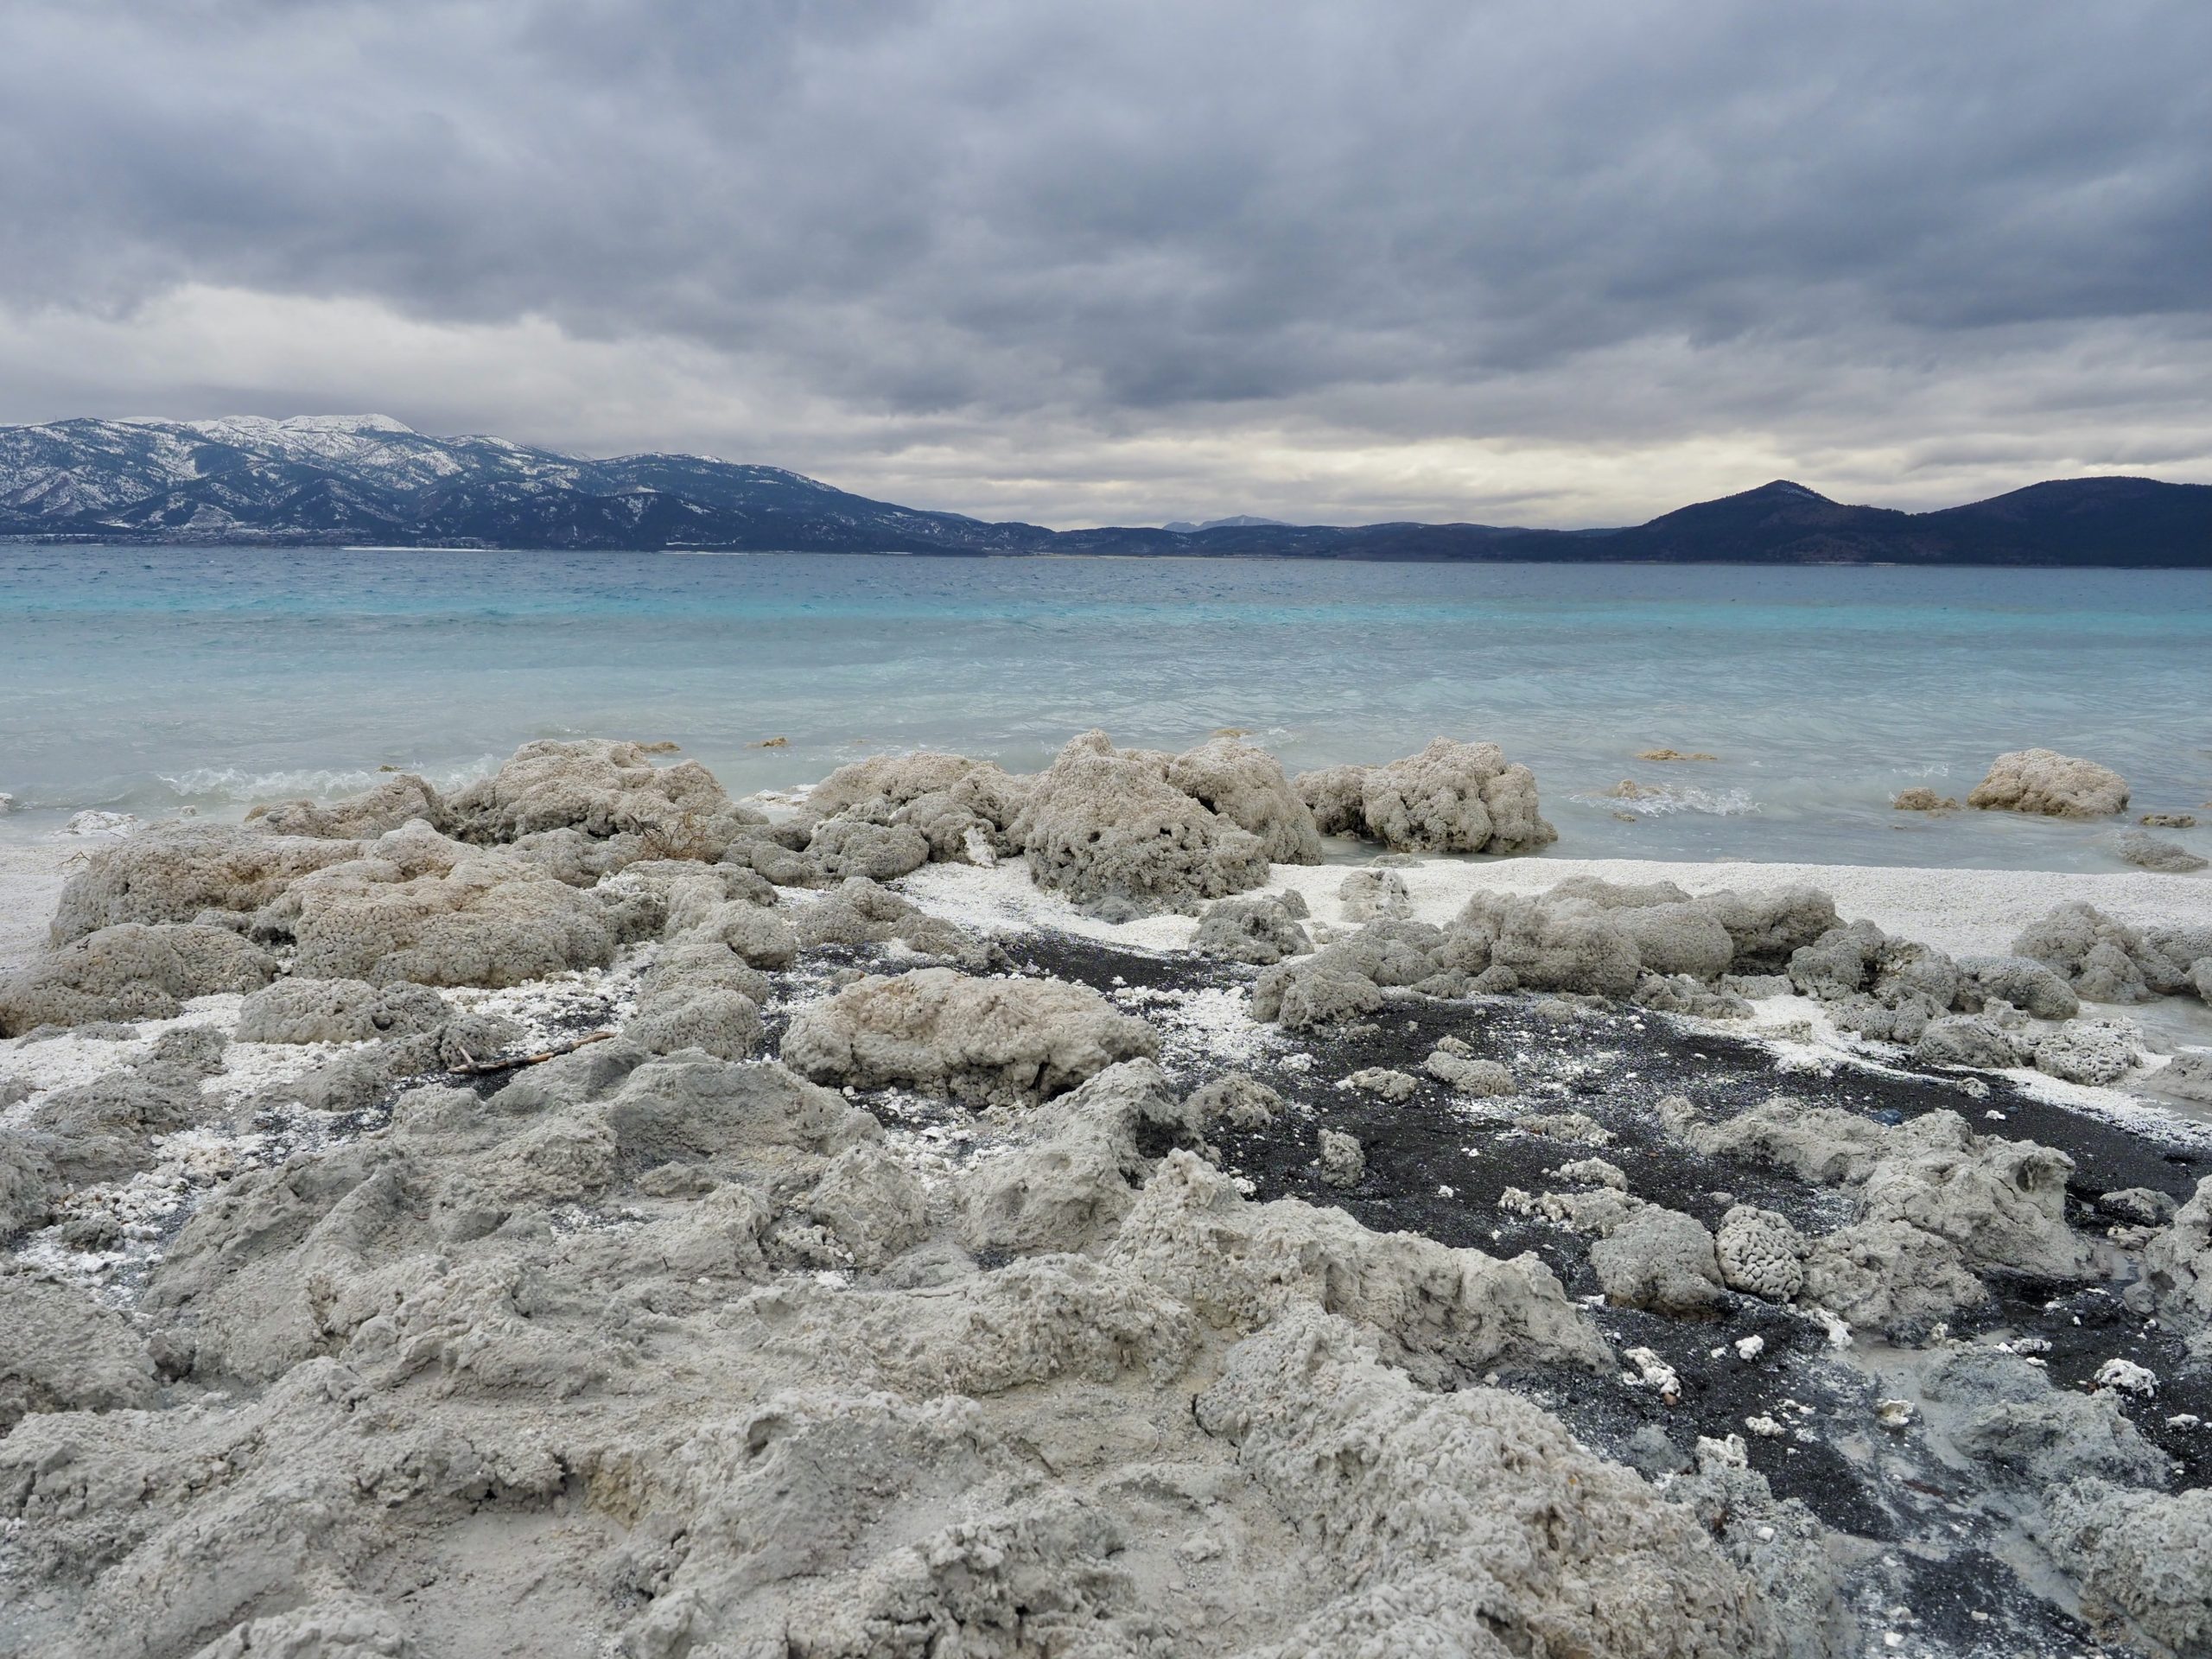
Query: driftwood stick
x=476 y=1068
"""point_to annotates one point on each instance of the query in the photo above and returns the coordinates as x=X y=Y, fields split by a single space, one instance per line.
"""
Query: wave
x=318 y=783
x=1658 y=800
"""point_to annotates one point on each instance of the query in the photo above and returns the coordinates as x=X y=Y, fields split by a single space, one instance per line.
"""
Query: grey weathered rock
x=1767 y=924
x=174 y=872
x=2176 y=1282
x=757 y=933
x=1246 y=785
x=724 y=1023
x=1010 y=1041
x=2096 y=1051
x=861 y=912
x=1325 y=989
x=417 y=906
x=2143 y=1561
x=1450 y=797
x=2007 y=1416
x=1761 y=1253
x=1382 y=1080
x=2108 y=960
x=1367 y=894
x=66 y=1353
x=2031 y=986
x=1555 y=946
x=1971 y=1039
x=1352 y=1453
x=700 y=963
x=1260 y=928
x=1343 y=1161
x=1237 y=1099
x=1888 y=1275
x=1108 y=828
x=1465 y=1074
x=896 y=779
x=1446 y=1316
x=1921 y=798
x=1658 y=1259
x=298 y=1010
x=1077 y=1173
x=2189 y=1074
x=845 y=848
x=2002 y=1202
x=385 y=806
x=130 y=972
x=2056 y=785
x=602 y=789
x=27 y=1184
x=2149 y=853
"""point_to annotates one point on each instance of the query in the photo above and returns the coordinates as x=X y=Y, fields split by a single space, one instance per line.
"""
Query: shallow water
x=149 y=680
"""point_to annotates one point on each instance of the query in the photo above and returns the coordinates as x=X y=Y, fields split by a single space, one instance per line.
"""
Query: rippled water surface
x=148 y=680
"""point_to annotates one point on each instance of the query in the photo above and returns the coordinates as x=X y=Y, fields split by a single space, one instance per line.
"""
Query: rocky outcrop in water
x=2053 y=785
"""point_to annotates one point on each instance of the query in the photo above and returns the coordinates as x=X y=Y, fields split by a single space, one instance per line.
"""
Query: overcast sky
x=1562 y=262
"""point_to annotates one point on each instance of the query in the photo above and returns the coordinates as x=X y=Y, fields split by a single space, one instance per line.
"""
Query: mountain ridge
x=340 y=479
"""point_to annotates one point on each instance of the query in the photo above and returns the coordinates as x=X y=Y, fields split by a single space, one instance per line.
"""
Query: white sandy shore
x=1966 y=912
x=31 y=874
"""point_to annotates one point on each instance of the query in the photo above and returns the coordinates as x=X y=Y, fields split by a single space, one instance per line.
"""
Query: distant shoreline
x=1239 y=556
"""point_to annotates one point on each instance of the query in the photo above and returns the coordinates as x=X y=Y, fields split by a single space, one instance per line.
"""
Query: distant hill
x=366 y=479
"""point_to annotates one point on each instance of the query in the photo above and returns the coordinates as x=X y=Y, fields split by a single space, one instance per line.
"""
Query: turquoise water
x=149 y=680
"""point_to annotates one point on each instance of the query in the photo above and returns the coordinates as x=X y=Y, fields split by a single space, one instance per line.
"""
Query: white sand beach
x=31 y=878
x=1963 y=912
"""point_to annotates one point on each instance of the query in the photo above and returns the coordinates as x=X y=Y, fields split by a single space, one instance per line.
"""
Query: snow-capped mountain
x=369 y=478
x=349 y=479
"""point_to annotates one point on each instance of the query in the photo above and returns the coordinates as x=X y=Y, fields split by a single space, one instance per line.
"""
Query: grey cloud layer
x=1392 y=222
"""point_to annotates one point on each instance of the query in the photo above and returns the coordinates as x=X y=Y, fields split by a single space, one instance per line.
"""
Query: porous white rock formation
x=1260 y=928
x=2143 y=1560
x=603 y=789
x=1450 y=797
x=302 y=1010
x=2054 y=785
x=130 y=972
x=1108 y=828
x=986 y=1041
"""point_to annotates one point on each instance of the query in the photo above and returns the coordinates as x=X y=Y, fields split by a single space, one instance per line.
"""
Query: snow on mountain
x=339 y=476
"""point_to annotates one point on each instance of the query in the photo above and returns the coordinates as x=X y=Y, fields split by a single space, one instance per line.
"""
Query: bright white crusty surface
x=1966 y=912
x=31 y=874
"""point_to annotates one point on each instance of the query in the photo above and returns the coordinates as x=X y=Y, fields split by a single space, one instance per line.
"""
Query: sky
x=1543 y=262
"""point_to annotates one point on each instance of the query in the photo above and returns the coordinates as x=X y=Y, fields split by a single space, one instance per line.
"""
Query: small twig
x=474 y=1068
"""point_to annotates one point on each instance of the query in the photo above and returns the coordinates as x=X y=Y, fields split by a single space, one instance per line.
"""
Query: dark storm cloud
x=1397 y=222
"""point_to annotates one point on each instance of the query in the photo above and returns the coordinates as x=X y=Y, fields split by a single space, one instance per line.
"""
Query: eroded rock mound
x=1106 y=828
x=1263 y=928
x=2054 y=785
x=984 y=1041
x=2143 y=1560
x=1450 y=797
x=1936 y=1204
x=1655 y=944
x=604 y=790
x=174 y=873
x=418 y=906
x=356 y=817
x=1246 y=785
x=2105 y=959
x=130 y=972
x=1407 y=1496
x=298 y=1010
